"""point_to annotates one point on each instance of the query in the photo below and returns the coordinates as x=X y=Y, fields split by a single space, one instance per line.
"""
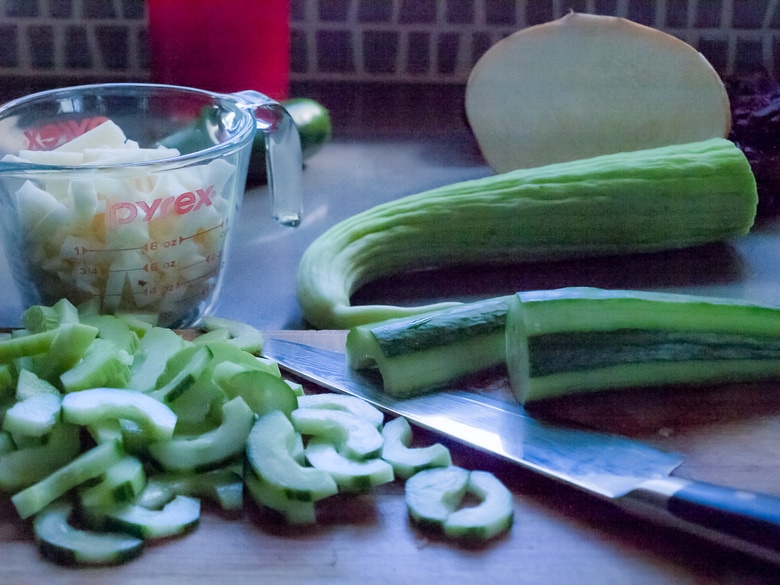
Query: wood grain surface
x=728 y=435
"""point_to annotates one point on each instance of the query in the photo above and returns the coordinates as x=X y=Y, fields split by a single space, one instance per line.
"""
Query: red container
x=221 y=45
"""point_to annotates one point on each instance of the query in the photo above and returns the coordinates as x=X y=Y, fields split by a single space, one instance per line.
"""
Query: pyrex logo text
x=126 y=212
x=54 y=134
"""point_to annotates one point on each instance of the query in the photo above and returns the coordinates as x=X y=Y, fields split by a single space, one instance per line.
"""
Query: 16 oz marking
x=156 y=266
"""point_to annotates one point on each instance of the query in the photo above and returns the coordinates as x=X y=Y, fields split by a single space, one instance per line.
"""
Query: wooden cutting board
x=729 y=435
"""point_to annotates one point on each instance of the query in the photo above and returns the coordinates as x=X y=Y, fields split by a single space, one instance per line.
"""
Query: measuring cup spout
x=282 y=154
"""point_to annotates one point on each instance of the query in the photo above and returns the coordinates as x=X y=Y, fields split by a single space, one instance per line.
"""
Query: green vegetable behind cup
x=314 y=126
x=311 y=118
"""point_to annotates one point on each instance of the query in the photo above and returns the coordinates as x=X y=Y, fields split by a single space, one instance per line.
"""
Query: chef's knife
x=630 y=474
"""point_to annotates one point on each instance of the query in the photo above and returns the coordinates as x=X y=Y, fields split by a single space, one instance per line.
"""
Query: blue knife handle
x=743 y=520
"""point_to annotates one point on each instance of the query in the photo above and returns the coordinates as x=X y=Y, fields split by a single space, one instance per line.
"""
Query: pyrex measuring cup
x=124 y=195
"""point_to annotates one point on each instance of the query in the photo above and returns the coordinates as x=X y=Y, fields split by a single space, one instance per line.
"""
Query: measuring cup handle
x=284 y=162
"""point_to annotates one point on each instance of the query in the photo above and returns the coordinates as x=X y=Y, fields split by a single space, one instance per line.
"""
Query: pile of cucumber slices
x=114 y=430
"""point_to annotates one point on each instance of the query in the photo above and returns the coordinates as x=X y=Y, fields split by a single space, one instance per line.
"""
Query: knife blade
x=632 y=475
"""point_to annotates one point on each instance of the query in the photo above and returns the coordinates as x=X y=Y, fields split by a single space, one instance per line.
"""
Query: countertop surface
x=390 y=142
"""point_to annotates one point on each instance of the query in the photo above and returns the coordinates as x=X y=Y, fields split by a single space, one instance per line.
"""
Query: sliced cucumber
x=178 y=516
x=24 y=467
x=61 y=542
x=38 y=318
x=181 y=372
x=8 y=382
x=270 y=455
x=69 y=345
x=294 y=511
x=102 y=365
x=242 y=335
x=6 y=443
x=224 y=351
x=298 y=449
x=88 y=465
x=407 y=460
x=24 y=442
x=297 y=387
x=120 y=484
x=349 y=474
x=434 y=498
x=28 y=384
x=34 y=416
x=223 y=486
x=105 y=430
x=211 y=448
x=87 y=406
x=134 y=439
x=199 y=408
x=261 y=390
x=115 y=330
x=343 y=402
x=154 y=349
x=492 y=516
x=139 y=323
x=128 y=433
x=219 y=334
x=433 y=494
x=355 y=436
x=23 y=344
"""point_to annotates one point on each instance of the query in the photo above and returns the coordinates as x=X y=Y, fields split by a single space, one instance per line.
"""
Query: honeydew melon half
x=586 y=85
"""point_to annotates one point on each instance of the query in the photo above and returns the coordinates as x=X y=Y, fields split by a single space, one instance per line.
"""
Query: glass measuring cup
x=123 y=196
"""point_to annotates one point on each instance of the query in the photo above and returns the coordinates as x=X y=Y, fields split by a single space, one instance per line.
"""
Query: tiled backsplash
x=432 y=41
x=440 y=40
x=72 y=39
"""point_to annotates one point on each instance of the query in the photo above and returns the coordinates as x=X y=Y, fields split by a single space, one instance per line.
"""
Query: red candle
x=222 y=46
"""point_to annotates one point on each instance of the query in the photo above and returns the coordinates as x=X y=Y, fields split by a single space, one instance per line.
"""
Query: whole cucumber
x=650 y=200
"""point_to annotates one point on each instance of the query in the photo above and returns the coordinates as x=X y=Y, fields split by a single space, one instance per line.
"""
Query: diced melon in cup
x=132 y=238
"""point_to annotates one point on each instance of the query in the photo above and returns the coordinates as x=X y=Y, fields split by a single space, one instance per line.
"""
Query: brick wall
x=432 y=41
